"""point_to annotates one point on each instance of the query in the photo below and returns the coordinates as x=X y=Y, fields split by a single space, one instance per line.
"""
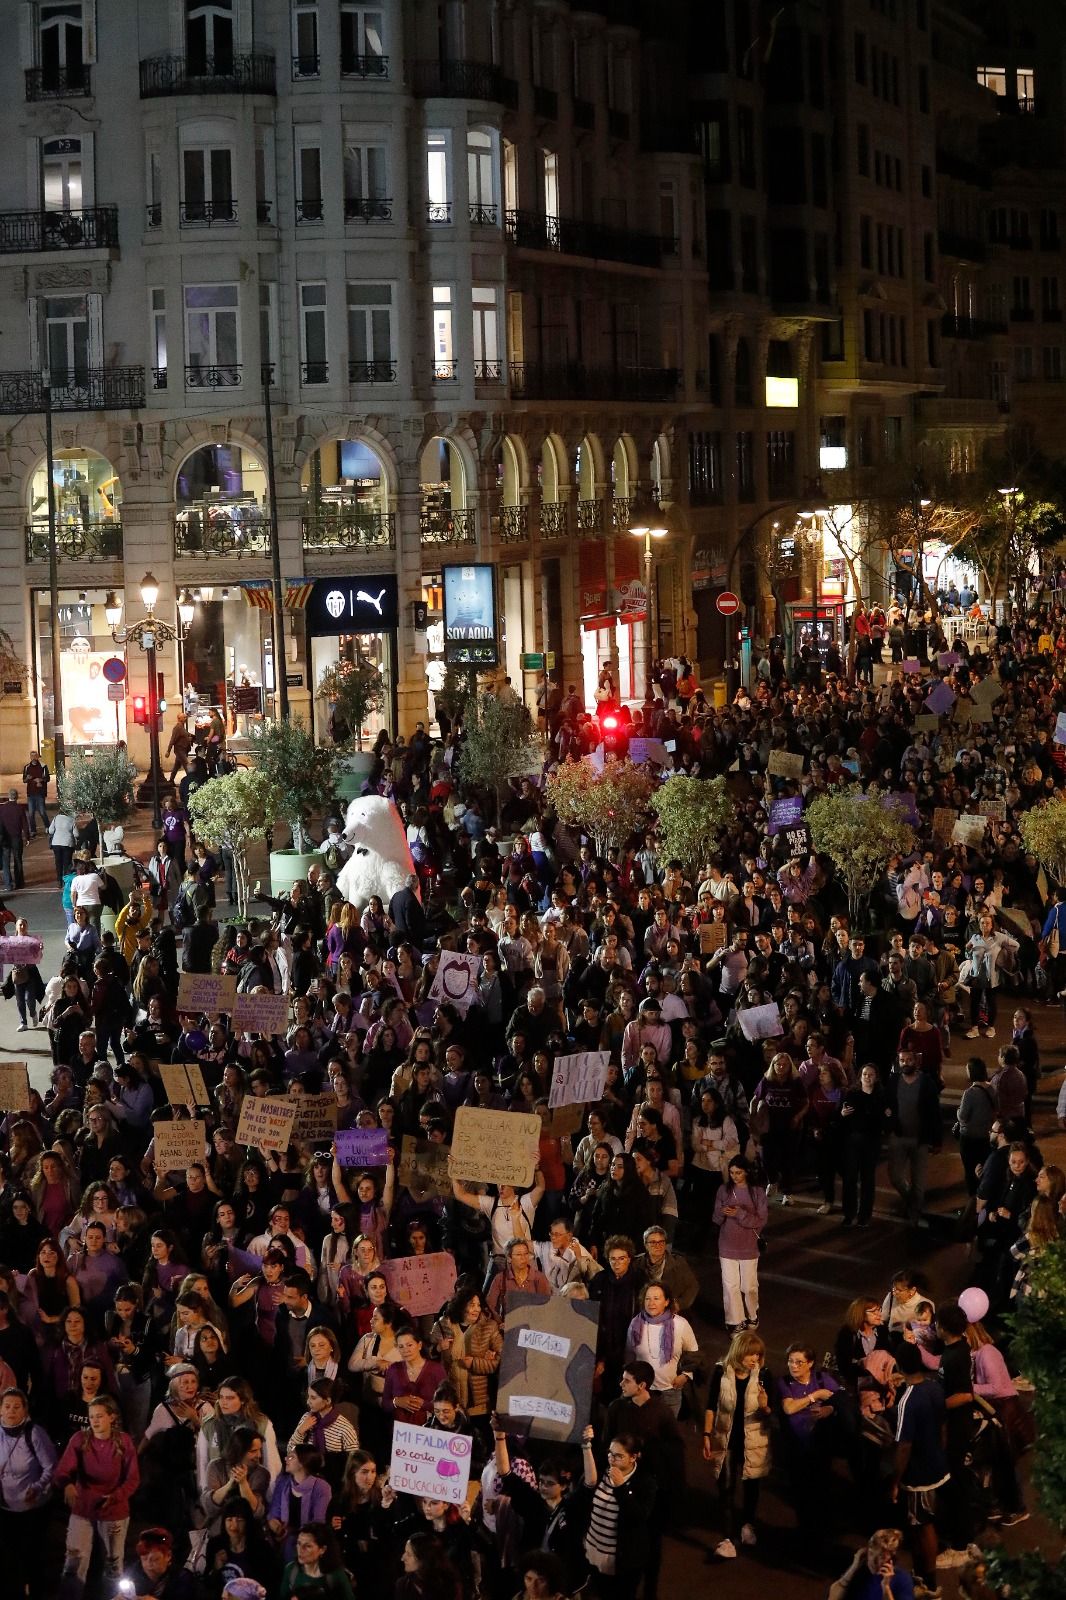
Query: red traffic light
x=139 y=712
x=610 y=724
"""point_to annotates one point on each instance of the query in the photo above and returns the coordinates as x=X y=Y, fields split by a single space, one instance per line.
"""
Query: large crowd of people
x=201 y=1369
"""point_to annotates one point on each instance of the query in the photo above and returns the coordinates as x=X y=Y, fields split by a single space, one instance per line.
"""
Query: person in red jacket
x=97 y=1473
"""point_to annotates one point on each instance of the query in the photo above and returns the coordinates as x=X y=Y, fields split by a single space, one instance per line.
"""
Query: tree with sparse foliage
x=860 y=837
x=303 y=774
x=609 y=806
x=1043 y=831
x=100 y=781
x=499 y=743
x=232 y=811
x=356 y=690
x=458 y=688
x=692 y=814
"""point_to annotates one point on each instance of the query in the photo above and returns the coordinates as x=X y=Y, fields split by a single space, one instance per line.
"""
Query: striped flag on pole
x=257 y=592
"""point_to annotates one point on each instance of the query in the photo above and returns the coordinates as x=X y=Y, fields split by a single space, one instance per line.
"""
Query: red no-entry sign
x=727 y=603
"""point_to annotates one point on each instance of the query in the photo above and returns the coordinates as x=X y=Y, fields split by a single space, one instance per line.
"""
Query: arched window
x=220 y=495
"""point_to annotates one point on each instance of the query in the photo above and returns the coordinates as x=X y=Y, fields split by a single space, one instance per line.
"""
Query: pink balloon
x=974 y=1302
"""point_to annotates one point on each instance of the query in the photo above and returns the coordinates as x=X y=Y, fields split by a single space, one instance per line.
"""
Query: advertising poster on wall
x=88 y=715
x=470 y=628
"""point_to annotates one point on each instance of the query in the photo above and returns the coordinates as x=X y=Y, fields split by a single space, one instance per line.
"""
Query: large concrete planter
x=286 y=866
x=353 y=773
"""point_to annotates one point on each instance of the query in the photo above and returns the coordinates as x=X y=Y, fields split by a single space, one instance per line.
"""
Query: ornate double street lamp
x=646 y=522
x=149 y=633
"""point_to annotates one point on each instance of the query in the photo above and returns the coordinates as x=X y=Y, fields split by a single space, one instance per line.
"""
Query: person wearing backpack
x=334 y=849
x=97 y=1473
x=27 y=1466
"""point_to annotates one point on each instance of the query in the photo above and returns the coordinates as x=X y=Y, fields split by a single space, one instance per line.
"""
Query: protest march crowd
x=362 y=1250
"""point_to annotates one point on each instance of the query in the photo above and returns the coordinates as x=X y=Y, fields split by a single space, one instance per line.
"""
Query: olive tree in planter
x=609 y=805
x=860 y=837
x=230 y=812
x=1043 y=832
x=303 y=777
x=100 y=782
x=357 y=691
x=499 y=744
x=692 y=813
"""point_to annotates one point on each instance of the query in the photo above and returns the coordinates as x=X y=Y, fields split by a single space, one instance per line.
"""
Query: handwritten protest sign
x=20 y=950
x=926 y=723
x=206 y=992
x=579 y=1078
x=176 y=1144
x=261 y=1013
x=649 y=750
x=456 y=980
x=796 y=840
x=184 y=1083
x=986 y=690
x=943 y=822
x=969 y=830
x=423 y=1165
x=266 y=1121
x=495 y=1146
x=785 y=812
x=760 y=1022
x=362 y=1147
x=427 y=1462
x=316 y=1117
x=14 y=1086
x=713 y=936
x=421 y=1284
x=548 y=1362
x=783 y=764
x=996 y=809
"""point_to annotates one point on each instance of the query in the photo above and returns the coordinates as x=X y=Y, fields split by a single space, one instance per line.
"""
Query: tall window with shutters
x=371 y=358
x=212 y=336
x=209 y=36
x=313 y=343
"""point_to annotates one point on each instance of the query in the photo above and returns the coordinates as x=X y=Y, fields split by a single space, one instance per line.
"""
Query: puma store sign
x=366 y=604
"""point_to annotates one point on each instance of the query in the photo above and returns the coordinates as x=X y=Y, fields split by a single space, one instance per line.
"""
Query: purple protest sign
x=785 y=813
x=362 y=1147
x=903 y=802
x=940 y=699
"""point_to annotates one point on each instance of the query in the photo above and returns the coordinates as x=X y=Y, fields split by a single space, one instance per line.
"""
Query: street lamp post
x=646 y=522
x=148 y=633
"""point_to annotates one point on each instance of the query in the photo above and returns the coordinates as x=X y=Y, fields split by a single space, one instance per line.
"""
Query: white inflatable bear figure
x=380 y=862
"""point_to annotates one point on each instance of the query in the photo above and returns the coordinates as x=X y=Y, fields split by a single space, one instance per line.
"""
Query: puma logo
x=361 y=594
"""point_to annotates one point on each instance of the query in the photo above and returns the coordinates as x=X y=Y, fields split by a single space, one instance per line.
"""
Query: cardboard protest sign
x=911 y=664
x=206 y=992
x=184 y=1083
x=548 y=1363
x=579 y=1078
x=495 y=1146
x=981 y=713
x=423 y=1165
x=14 y=1086
x=996 y=809
x=760 y=1022
x=564 y=1121
x=427 y=1462
x=783 y=764
x=713 y=936
x=940 y=699
x=797 y=840
x=456 y=980
x=969 y=829
x=943 y=822
x=785 y=812
x=926 y=723
x=316 y=1117
x=362 y=1147
x=266 y=1121
x=421 y=1284
x=962 y=710
x=986 y=690
x=947 y=659
x=176 y=1144
x=649 y=750
x=261 y=1013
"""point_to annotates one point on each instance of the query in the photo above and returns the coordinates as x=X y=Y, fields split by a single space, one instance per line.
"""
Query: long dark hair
x=436 y=1577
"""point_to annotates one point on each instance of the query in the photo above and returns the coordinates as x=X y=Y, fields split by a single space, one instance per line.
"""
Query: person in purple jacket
x=301 y=1495
x=740 y=1213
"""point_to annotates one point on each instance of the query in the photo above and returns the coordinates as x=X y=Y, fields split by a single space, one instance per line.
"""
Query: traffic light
x=140 y=711
x=614 y=732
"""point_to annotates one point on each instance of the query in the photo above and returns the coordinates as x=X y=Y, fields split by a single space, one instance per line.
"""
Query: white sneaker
x=786 y=1200
x=990 y=1033
x=824 y=1210
x=972 y=1033
x=727 y=1550
x=747 y=1534
x=21 y=1028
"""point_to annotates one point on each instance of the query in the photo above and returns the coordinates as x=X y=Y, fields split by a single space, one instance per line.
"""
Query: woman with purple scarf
x=659 y=1335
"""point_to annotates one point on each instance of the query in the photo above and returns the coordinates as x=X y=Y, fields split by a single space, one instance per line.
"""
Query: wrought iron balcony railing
x=206 y=213
x=93 y=229
x=371 y=372
x=459 y=80
x=445 y=371
x=328 y=527
x=368 y=208
x=365 y=66
x=153 y=215
x=489 y=371
x=447 y=527
x=554 y=519
x=311 y=209
x=314 y=372
x=590 y=516
x=232 y=530
x=438 y=211
x=204 y=377
x=82 y=389
x=92 y=539
x=305 y=67
x=159 y=377
x=620 y=509
x=571 y=381
x=249 y=72
x=484 y=216
x=531 y=231
x=514 y=524
x=58 y=83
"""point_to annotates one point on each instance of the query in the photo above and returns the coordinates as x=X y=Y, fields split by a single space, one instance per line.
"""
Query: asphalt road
x=811 y=1269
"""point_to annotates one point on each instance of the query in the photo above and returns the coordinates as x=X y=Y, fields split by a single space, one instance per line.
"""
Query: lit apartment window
x=438 y=187
x=313 y=344
x=61 y=174
x=1026 y=85
x=66 y=327
x=362 y=40
x=550 y=182
x=212 y=336
x=486 y=318
x=157 y=302
x=209 y=35
x=481 y=177
x=443 y=333
x=370 y=351
x=994 y=78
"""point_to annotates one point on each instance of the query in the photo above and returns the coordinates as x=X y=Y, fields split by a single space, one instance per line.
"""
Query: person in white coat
x=659 y=1335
